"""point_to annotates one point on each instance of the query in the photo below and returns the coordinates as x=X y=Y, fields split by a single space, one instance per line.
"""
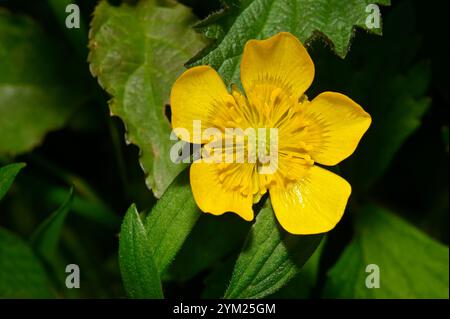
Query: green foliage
x=137 y=52
x=411 y=264
x=46 y=237
x=36 y=82
x=7 y=175
x=225 y=235
x=76 y=36
x=21 y=273
x=269 y=259
x=243 y=20
x=139 y=273
x=137 y=49
x=89 y=209
x=171 y=221
x=302 y=285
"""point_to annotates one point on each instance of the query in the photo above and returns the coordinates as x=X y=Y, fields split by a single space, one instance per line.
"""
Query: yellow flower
x=275 y=73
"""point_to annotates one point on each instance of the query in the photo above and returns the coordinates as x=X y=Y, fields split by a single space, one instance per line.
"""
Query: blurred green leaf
x=46 y=237
x=86 y=202
x=139 y=273
x=87 y=208
x=137 y=52
x=269 y=259
x=7 y=175
x=411 y=264
x=39 y=89
x=77 y=36
x=171 y=220
x=224 y=234
x=243 y=20
x=21 y=273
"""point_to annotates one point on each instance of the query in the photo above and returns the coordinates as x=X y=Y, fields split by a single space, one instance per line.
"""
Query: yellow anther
x=306 y=147
x=275 y=95
x=308 y=160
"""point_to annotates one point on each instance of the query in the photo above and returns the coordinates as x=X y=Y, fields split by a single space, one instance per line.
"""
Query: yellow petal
x=313 y=205
x=336 y=124
x=281 y=60
x=212 y=197
x=197 y=95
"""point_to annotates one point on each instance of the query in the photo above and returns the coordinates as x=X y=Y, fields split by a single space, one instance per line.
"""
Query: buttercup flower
x=275 y=73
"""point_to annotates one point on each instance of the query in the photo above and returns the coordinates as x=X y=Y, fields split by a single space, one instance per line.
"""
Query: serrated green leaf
x=21 y=273
x=171 y=220
x=46 y=237
x=256 y=19
x=411 y=264
x=39 y=89
x=139 y=273
x=7 y=175
x=269 y=259
x=137 y=52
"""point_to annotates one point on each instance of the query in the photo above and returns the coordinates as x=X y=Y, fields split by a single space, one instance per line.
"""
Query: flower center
x=281 y=157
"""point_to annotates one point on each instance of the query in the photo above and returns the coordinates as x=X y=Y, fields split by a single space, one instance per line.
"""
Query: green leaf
x=139 y=273
x=300 y=286
x=411 y=264
x=225 y=234
x=269 y=259
x=305 y=281
x=39 y=89
x=76 y=36
x=171 y=220
x=46 y=237
x=243 y=20
x=89 y=209
x=7 y=175
x=21 y=273
x=137 y=52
